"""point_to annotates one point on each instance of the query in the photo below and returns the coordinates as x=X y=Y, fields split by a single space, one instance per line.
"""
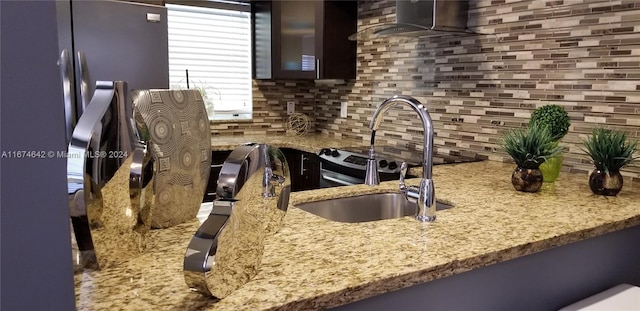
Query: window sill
x=221 y=121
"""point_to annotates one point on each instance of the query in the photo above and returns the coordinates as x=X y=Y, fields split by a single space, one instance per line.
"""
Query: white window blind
x=214 y=46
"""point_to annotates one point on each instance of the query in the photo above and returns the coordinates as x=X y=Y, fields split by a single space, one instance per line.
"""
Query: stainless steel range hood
x=418 y=18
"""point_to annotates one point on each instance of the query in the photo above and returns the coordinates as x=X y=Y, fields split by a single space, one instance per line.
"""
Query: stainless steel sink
x=369 y=207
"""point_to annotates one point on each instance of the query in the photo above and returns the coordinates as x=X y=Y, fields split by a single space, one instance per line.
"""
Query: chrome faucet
x=424 y=194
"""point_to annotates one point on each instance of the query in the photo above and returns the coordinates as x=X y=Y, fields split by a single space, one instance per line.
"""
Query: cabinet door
x=304 y=39
x=337 y=54
x=304 y=168
x=295 y=39
x=310 y=171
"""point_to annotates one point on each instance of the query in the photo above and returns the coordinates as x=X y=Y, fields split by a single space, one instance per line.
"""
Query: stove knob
x=335 y=153
x=393 y=165
x=325 y=151
x=383 y=163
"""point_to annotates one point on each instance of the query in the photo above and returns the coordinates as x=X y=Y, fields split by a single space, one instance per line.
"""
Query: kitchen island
x=314 y=263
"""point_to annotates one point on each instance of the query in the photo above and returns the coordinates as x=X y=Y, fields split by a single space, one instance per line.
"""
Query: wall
x=581 y=54
x=34 y=215
x=270 y=99
x=270 y=108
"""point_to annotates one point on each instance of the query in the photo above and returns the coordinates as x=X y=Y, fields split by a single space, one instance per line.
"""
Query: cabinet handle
x=85 y=81
x=318 y=68
x=66 y=69
x=302 y=169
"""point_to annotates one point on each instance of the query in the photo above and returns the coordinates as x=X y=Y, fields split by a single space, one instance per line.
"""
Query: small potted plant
x=529 y=148
x=557 y=120
x=610 y=151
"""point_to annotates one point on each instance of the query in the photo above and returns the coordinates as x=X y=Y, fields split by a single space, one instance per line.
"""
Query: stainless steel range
x=345 y=167
x=342 y=167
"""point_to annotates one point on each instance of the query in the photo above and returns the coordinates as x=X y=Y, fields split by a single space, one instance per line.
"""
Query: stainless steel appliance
x=347 y=166
x=110 y=41
x=107 y=41
x=422 y=18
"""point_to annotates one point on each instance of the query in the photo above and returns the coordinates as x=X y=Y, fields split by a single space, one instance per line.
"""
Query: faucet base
x=423 y=218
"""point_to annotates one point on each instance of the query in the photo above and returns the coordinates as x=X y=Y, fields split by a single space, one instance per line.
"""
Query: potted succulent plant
x=529 y=148
x=557 y=120
x=610 y=151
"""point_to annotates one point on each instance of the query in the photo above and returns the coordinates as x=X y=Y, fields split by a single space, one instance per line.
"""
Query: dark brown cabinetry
x=304 y=168
x=304 y=39
x=217 y=159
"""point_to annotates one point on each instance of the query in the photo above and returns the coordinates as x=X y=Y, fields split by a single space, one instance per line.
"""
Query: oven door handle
x=337 y=180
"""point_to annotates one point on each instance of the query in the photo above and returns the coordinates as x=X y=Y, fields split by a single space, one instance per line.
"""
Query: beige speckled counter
x=314 y=263
x=309 y=142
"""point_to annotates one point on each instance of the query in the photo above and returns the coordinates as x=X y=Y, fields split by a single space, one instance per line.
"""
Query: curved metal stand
x=253 y=196
x=106 y=180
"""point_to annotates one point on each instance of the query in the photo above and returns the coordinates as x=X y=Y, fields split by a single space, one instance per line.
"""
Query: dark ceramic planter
x=527 y=179
x=603 y=184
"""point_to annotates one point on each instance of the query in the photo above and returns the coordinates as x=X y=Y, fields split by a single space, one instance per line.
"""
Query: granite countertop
x=309 y=142
x=313 y=143
x=314 y=263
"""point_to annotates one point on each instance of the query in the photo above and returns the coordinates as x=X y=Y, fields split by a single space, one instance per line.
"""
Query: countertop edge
x=379 y=287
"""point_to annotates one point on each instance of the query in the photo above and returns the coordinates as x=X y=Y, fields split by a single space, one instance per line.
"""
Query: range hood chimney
x=417 y=18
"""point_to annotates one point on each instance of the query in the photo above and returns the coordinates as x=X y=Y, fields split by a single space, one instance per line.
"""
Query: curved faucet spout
x=425 y=193
x=427 y=125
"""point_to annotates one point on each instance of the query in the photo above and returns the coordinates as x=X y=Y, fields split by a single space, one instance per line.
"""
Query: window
x=210 y=50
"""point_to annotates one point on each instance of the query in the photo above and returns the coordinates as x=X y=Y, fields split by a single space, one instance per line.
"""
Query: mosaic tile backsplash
x=581 y=54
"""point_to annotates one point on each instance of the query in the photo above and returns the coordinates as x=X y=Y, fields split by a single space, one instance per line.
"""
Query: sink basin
x=369 y=207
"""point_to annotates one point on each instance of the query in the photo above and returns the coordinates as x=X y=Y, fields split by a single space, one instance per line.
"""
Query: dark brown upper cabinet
x=304 y=39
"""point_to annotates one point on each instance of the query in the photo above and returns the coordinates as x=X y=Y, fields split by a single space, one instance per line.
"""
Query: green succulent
x=554 y=117
x=609 y=149
x=531 y=146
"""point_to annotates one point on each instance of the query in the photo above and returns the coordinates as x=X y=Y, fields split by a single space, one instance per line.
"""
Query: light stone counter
x=309 y=142
x=313 y=263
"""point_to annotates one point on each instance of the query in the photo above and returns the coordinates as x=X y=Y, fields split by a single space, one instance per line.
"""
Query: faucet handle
x=410 y=193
